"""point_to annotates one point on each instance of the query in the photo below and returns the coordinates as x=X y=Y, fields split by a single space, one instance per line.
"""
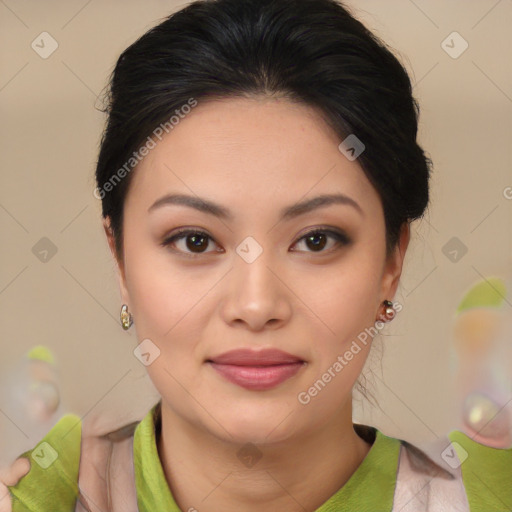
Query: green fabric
x=370 y=488
x=486 y=473
x=52 y=480
x=153 y=492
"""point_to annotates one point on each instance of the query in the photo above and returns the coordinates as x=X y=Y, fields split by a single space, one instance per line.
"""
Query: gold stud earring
x=126 y=318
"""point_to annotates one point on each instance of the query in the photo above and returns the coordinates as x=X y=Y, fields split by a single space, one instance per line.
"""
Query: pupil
x=317 y=245
x=197 y=241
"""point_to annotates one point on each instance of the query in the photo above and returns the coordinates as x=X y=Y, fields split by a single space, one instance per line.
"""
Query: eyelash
x=339 y=236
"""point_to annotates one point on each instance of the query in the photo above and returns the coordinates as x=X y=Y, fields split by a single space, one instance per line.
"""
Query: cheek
x=342 y=299
x=163 y=298
x=345 y=302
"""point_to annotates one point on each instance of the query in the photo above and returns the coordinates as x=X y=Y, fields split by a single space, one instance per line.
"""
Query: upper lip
x=248 y=357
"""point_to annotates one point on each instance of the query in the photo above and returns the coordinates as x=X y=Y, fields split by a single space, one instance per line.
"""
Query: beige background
x=50 y=132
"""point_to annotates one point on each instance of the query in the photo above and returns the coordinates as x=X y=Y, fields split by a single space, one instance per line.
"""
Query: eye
x=317 y=239
x=195 y=241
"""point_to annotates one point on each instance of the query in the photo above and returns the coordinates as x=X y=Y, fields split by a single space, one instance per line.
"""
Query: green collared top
x=51 y=484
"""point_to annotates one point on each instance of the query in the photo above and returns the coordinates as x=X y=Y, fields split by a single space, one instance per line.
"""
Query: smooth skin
x=254 y=156
x=9 y=477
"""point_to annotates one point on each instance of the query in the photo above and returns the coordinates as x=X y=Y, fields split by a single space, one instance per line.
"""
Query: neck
x=204 y=473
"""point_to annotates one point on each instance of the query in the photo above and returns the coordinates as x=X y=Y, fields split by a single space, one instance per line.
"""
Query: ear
x=119 y=263
x=394 y=263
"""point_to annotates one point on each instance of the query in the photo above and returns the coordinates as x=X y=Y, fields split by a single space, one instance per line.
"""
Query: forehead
x=249 y=152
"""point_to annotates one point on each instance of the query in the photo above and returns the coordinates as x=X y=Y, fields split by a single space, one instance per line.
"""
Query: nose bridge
x=256 y=294
x=253 y=263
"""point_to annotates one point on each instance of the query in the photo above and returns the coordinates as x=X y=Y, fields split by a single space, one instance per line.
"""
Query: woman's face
x=253 y=280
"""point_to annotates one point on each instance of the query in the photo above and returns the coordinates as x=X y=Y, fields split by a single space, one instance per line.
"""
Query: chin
x=255 y=427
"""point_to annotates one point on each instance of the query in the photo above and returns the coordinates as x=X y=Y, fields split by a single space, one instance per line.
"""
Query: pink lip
x=256 y=371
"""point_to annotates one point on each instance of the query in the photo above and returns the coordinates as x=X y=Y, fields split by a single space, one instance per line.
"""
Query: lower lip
x=257 y=378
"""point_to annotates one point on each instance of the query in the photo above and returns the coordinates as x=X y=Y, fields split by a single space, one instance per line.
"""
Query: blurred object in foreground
x=43 y=396
x=483 y=342
x=30 y=402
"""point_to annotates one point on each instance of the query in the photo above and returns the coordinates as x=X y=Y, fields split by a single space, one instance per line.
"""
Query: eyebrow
x=209 y=207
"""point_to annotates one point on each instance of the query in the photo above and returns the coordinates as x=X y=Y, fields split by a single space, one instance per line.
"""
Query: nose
x=257 y=295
